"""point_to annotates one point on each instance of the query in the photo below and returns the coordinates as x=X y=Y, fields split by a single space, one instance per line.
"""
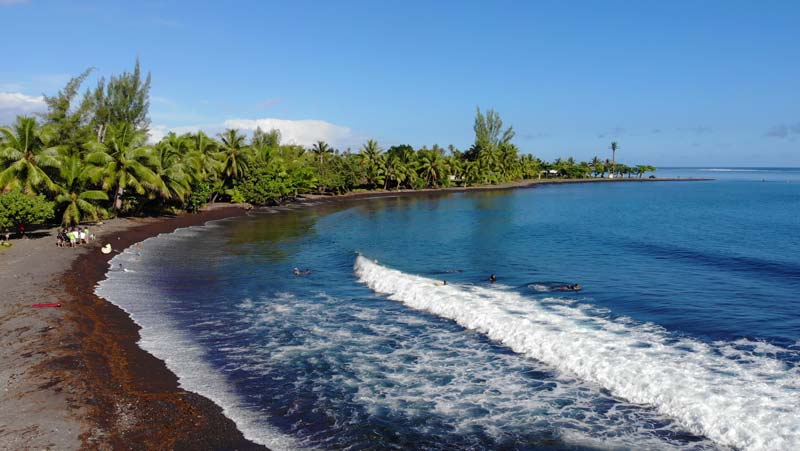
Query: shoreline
x=122 y=396
x=480 y=188
x=133 y=397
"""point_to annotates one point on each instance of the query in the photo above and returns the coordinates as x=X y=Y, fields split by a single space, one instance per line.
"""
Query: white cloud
x=13 y=104
x=156 y=133
x=303 y=132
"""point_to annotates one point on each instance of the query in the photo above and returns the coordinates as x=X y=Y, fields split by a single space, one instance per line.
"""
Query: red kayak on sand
x=47 y=304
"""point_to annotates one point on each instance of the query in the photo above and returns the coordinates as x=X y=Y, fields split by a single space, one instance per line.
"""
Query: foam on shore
x=737 y=394
x=130 y=291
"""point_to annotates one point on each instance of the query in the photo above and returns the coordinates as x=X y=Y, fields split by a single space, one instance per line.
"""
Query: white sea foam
x=540 y=288
x=739 y=397
x=398 y=364
x=162 y=338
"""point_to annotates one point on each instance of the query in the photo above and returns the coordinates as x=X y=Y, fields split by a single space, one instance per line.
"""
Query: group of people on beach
x=73 y=236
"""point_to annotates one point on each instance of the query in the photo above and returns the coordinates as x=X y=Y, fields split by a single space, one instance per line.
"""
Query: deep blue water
x=686 y=334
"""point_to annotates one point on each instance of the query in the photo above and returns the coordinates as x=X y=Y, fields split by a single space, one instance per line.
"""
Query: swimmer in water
x=572 y=287
x=492 y=279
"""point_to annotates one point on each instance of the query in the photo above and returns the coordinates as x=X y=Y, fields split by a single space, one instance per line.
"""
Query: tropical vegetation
x=88 y=157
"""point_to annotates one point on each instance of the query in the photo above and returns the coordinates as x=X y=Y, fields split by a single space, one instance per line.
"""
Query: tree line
x=87 y=158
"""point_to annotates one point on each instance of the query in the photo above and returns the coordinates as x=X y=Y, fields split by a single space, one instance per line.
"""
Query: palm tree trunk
x=118 y=198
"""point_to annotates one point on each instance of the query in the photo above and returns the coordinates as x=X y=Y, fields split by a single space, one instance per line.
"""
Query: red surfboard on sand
x=47 y=304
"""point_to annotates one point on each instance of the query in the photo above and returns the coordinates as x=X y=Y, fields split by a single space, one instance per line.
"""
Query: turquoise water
x=686 y=334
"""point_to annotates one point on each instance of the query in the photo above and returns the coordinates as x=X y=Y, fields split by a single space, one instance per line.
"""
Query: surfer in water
x=296 y=271
x=547 y=287
x=492 y=278
x=570 y=287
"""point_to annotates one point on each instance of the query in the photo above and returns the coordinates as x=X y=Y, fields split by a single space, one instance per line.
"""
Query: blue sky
x=675 y=83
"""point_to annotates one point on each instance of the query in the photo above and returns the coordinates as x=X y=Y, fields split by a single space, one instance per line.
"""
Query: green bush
x=18 y=209
x=201 y=192
x=272 y=182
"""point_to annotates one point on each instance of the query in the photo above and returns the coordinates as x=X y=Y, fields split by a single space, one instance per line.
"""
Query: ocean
x=684 y=336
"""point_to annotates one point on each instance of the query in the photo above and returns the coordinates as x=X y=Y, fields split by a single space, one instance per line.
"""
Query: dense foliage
x=18 y=210
x=91 y=158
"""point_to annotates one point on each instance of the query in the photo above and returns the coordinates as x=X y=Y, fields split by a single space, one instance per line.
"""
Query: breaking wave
x=738 y=394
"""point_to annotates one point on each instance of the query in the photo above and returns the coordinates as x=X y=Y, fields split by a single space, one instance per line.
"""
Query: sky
x=675 y=83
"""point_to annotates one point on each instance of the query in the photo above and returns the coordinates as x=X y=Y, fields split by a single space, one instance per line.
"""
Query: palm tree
x=596 y=164
x=234 y=158
x=456 y=167
x=73 y=197
x=489 y=160
x=233 y=154
x=472 y=172
x=320 y=149
x=431 y=166
x=124 y=162
x=508 y=162
x=200 y=161
x=401 y=166
x=373 y=163
x=394 y=170
x=530 y=166
x=24 y=156
x=614 y=146
x=171 y=167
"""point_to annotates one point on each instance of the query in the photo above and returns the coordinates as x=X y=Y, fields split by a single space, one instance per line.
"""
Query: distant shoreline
x=109 y=374
x=478 y=188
